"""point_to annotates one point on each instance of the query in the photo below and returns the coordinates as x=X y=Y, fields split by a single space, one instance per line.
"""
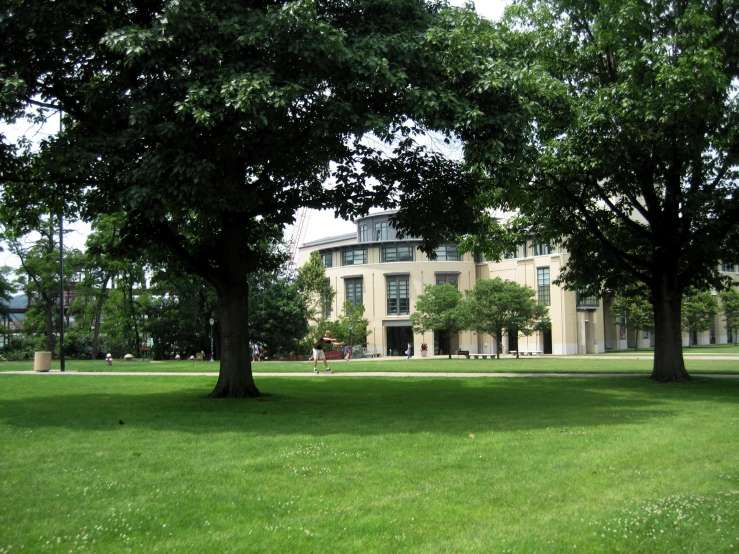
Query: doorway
x=398 y=339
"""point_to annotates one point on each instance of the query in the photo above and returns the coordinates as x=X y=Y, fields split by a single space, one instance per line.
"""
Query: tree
x=38 y=278
x=437 y=309
x=730 y=308
x=209 y=123
x=698 y=312
x=634 y=168
x=497 y=307
x=278 y=315
x=636 y=310
x=314 y=285
x=352 y=325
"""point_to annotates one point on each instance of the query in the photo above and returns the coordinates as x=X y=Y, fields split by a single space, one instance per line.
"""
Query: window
x=450 y=278
x=478 y=258
x=354 y=257
x=586 y=301
x=353 y=290
x=447 y=253
x=398 y=295
x=397 y=254
x=381 y=230
x=364 y=235
x=511 y=254
x=542 y=280
x=541 y=249
x=327 y=258
x=728 y=268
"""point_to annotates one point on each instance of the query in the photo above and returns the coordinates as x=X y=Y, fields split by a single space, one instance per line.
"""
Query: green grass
x=537 y=364
x=368 y=465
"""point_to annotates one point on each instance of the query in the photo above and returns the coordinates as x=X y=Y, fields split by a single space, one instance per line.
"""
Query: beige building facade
x=387 y=274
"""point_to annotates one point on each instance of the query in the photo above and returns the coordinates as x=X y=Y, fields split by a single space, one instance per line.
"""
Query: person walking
x=255 y=353
x=409 y=350
x=319 y=354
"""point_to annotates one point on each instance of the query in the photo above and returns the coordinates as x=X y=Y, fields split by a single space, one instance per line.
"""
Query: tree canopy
x=497 y=307
x=634 y=168
x=209 y=123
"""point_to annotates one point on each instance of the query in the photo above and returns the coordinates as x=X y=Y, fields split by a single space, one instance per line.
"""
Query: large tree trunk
x=235 y=379
x=669 y=365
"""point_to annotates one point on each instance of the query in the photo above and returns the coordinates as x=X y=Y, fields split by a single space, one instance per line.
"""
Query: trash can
x=42 y=361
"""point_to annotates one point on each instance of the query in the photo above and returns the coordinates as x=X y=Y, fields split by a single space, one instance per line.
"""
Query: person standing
x=409 y=350
x=255 y=353
x=318 y=353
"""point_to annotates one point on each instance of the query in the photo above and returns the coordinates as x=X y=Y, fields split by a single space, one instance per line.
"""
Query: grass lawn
x=368 y=465
x=537 y=364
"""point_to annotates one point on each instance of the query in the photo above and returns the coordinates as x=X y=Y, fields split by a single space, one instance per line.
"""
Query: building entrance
x=398 y=339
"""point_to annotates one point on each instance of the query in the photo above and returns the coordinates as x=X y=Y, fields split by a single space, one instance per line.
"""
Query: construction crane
x=299 y=229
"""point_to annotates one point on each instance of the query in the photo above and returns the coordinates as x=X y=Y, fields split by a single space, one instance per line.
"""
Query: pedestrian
x=409 y=350
x=318 y=353
x=255 y=353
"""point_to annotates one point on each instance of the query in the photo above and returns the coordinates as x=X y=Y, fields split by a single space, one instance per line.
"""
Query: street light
x=212 y=321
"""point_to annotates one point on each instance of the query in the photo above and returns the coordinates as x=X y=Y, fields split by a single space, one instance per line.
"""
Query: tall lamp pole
x=212 y=321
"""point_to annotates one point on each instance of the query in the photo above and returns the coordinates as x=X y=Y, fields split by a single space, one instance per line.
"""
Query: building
x=373 y=266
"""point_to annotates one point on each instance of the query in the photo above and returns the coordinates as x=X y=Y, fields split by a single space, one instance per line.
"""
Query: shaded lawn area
x=536 y=364
x=368 y=465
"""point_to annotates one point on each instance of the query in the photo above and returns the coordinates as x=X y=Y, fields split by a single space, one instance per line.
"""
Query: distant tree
x=278 y=315
x=730 y=309
x=698 y=312
x=353 y=327
x=636 y=310
x=497 y=307
x=7 y=289
x=177 y=308
x=38 y=278
x=314 y=285
x=437 y=309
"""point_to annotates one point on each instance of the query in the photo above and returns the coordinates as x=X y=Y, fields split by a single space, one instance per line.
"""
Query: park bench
x=483 y=356
x=525 y=352
x=465 y=353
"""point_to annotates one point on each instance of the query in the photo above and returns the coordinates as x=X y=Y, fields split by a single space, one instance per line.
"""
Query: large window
x=448 y=253
x=398 y=295
x=728 y=268
x=327 y=258
x=542 y=280
x=382 y=230
x=450 y=278
x=353 y=290
x=364 y=234
x=354 y=257
x=397 y=254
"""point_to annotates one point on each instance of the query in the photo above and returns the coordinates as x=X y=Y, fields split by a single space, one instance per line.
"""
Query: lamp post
x=212 y=321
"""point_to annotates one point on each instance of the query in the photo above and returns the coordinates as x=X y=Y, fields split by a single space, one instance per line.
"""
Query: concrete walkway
x=324 y=374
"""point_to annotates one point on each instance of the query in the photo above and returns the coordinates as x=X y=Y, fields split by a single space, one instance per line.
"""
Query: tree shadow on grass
x=371 y=406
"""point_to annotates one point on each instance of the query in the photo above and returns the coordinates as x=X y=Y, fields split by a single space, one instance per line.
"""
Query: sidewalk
x=409 y=374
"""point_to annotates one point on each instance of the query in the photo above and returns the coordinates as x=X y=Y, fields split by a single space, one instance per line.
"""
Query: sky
x=320 y=224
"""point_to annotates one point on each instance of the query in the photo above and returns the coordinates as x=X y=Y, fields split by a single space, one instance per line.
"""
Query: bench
x=525 y=352
x=465 y=353
x=483 y=356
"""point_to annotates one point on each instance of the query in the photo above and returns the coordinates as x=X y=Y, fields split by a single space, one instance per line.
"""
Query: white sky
x=320 y=224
